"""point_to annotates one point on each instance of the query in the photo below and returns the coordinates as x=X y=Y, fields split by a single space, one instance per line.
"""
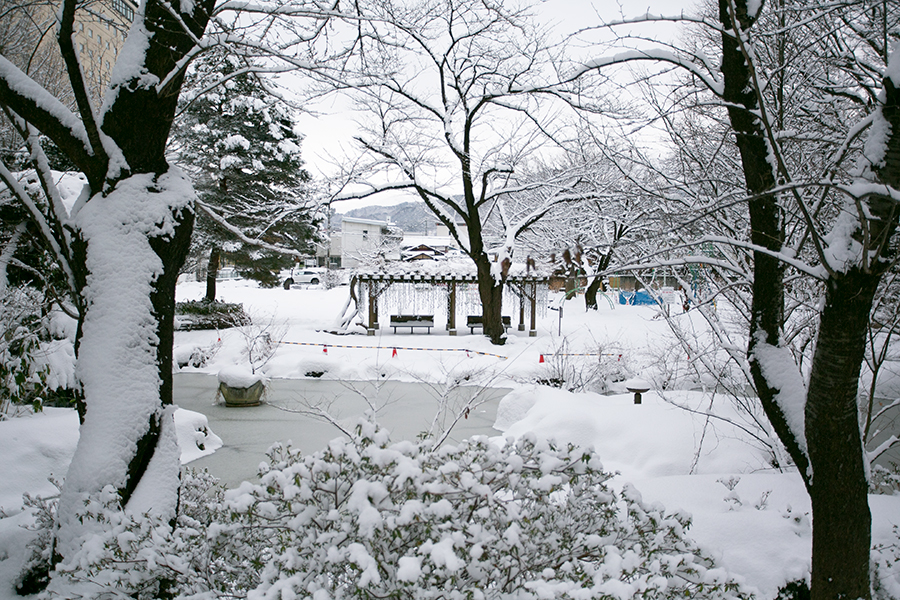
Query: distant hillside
x=411 y=217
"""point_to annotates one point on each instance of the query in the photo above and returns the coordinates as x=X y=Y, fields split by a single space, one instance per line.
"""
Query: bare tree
x=617 y=218
x=796 y=87
x=122 y=245
x=454 y=91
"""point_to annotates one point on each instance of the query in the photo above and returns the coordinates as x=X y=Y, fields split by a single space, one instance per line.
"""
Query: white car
x=304 y=276
x=227 y=273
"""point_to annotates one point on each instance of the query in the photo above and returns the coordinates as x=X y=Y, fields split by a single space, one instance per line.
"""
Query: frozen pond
x=406 y=409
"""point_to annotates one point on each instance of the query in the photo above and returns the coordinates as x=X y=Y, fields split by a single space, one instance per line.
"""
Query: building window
x=123 y=9
x=99 y=40
x=81 y=27
x=107 y=65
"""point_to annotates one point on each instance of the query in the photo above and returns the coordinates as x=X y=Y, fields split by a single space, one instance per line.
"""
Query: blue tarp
x=641 y=297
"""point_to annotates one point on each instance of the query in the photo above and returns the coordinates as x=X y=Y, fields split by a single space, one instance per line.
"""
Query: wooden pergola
x=373 y=285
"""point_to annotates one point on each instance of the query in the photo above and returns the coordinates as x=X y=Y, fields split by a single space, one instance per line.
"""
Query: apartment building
x=100 y=31
x=28 y=39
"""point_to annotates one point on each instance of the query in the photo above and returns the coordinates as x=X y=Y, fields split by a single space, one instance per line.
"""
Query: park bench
x=412 y=321
x=476 y=321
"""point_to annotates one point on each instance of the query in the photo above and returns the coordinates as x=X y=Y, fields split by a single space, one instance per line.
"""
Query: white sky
x=330 y=125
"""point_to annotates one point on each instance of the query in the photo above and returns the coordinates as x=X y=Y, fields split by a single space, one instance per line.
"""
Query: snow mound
x=239 y=376
x=194 y=435
x=653 y=439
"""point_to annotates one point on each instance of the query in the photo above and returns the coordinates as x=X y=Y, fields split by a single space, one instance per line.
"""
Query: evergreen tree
x=240 y=143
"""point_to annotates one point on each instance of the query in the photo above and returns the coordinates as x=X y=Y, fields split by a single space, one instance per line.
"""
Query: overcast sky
x=329 y=133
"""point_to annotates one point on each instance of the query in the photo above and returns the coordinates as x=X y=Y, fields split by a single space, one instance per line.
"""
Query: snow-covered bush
x=20 y=380
x=196 y=356
x=583 y=372
x=333 y=278
x=365 y=518
x=199 y=314
x=261 y=336
x=884 y=480
x=886 y=569
x=37 y=355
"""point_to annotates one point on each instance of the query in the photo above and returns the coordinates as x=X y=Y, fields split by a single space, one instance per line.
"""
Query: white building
x=441 y=231
x=361 y=241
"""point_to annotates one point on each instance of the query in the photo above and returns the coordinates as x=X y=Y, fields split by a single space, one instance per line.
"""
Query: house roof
x=364 y=221
x=420 y=256
x=423 y=248
x=432 y=241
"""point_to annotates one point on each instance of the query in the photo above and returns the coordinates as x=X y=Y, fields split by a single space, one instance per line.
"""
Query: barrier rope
x=585 y=354
x=395 y=348
x=542 y=357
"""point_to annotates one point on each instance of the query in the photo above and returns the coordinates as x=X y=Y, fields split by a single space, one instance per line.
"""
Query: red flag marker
x=542 y=359
x=394 y=353
x=325 y=349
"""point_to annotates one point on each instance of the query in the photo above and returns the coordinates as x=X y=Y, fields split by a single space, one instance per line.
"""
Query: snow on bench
x=477 y=322
x=412 y=321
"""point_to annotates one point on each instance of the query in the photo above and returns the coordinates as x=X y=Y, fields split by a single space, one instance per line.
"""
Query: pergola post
x=521 y=295
x=451 y=309
x=533 y=331
x=373 y=310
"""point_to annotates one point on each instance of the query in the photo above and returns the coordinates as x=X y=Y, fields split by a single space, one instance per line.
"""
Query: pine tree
x=240 y=143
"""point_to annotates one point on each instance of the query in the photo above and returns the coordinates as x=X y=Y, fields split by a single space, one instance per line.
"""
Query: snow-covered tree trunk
x=136 y=238
x=766 y=226
x=490 y=291
x=820 y=425
x=123 y=244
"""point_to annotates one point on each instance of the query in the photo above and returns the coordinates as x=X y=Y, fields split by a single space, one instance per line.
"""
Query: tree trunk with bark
x=212 y=271
x=590 y=293
x=596 y=285
x=491 y=293
x=838 y=488
x=830 y=457
x=129 y=242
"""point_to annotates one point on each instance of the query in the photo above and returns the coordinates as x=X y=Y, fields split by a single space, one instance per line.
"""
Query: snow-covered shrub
x=365 y=518
x=886 y=569
x=37 y=359
x=530 y=520
x=20 y=380
x=199 y=314
x=261 y=336
x=333 y=278
x=196 y=356
x=143 y=556
x=590 y=371
x=34 y=575
x=884 y=480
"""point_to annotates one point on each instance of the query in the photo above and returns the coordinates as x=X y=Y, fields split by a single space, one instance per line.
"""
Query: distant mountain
x=411 y=217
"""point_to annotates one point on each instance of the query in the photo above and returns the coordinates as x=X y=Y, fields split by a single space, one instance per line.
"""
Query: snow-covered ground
x=752 y=518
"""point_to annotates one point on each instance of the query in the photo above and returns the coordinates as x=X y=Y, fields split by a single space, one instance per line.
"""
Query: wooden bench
x=477 y=322
x=412 y=321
